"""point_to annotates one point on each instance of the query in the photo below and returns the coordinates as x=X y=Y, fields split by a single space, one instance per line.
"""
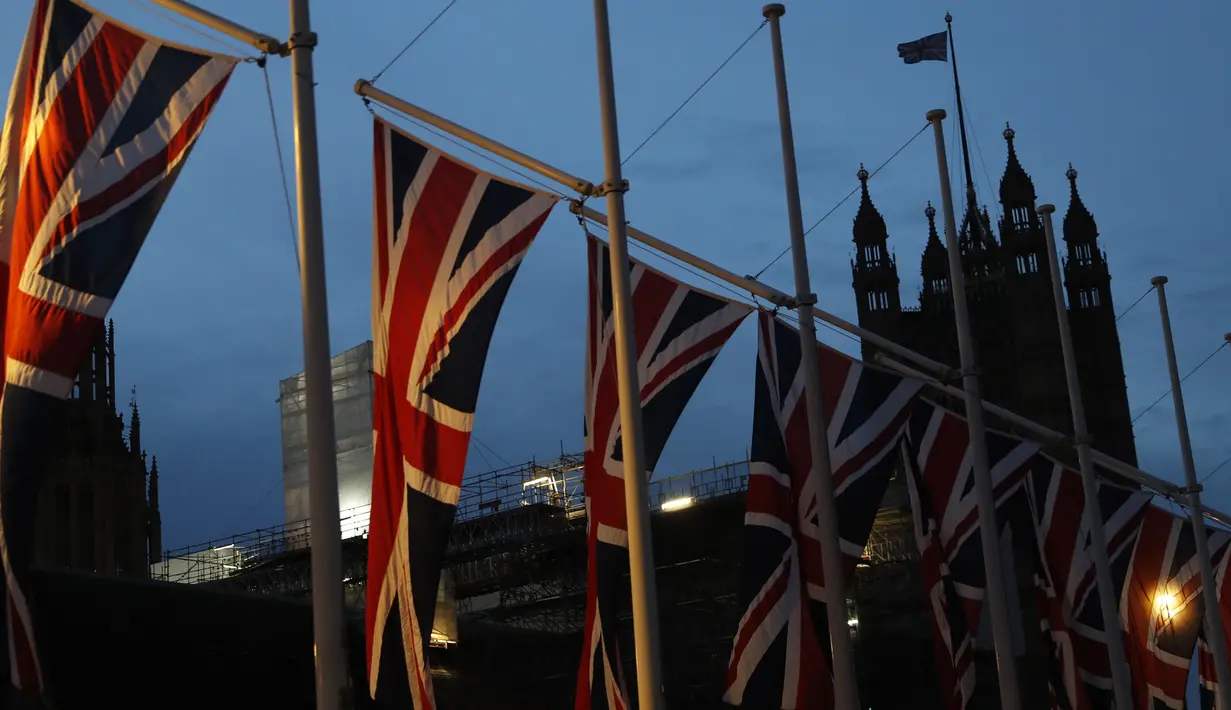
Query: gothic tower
x=1042 y=393
x=93 y=514
x=1096 y=338
x=874 y=271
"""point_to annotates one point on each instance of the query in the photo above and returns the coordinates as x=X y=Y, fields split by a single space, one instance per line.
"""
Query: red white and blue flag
x=99 y=122
x=449 y=239
x=1163 y=607
x=679 y=330
x=940 y=480
x=1210 y=689
x=1070 y=614
x=780 y=652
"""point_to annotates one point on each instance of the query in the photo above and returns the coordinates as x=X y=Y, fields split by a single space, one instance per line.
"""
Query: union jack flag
x=679 y=331
x=940 y=476
x=779 y=658
x=1067 y=590
x=1208 y=672
x=1162 y=607
x=448 y=241
x=99 y=122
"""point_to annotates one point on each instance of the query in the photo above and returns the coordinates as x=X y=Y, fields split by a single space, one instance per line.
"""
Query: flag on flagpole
x=99 y=123
x=680 y=330
x=1065 y=581
x=940 y=481
x=1162 y=606
x=933 y=48
x=448 y=241
x=780 y=650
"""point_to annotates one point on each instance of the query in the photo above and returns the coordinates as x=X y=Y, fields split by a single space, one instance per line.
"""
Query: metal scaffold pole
x=1121 y=681
x=997 y=596
x=636 y=494
x=846 y=693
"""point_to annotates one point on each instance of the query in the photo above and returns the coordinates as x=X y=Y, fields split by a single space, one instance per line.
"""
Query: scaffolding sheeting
x=352 y=412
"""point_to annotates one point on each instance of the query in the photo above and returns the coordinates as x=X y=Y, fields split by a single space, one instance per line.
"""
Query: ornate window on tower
x=878 y=301
x=1021 y=218
x=940 y=286
x=1028 y=263
x=1083 y=254
x=1088 y=298
x=872 y=255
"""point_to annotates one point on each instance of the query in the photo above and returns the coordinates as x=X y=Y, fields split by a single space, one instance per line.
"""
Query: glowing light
x=852 y=622
x=677 y=504
x=1167 y=604
x=544 y=481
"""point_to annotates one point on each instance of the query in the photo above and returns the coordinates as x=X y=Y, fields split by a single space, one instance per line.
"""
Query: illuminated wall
x=352 y=411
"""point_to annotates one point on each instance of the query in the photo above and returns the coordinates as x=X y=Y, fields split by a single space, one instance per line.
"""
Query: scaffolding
x=351 y=375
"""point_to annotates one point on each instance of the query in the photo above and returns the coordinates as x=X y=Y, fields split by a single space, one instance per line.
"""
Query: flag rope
x=844 y=199
x=286 y=190
x=1182 y=379
x=239 y=50
x=445 y=136
x=413 y=40
x=694 y=93
x=1139 y=300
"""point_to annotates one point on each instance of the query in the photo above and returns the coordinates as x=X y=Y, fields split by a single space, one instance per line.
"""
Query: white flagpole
x=327 y=604
x=1006 y=661
x=636 y=495
x=1121 y=681
x=846 y=692
x=1213 y=614
x=332 y=685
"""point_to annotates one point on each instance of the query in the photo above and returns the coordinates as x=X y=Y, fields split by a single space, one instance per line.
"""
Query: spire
x=154 y=520
x=874 y=272
x=1016 y=187
x=1079 y=225
x=869 y=224
x=134 y=430
x=111 y=363
x=934 y=267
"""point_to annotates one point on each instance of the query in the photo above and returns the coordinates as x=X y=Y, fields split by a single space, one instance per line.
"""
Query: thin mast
x=1214 y=633
x=846 y=693
x=989 y=528
x=1121 y=682
x=636 y=493
x=328 y=620
x=971 y=202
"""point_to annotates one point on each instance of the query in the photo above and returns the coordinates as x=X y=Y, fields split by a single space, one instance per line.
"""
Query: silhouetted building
x=1013 y=318
x=95 y=512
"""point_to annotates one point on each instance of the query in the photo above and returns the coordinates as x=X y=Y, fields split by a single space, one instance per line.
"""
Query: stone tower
x=1017 y=341
x=93 y=512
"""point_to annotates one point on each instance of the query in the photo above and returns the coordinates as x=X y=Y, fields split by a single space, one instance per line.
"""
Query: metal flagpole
x=940 y=373
x=1006 y=661
x=332 y=686
x=846 y=694
x=1213 y=614
x=327 y=618
x=636 y=495
x=1121 y=682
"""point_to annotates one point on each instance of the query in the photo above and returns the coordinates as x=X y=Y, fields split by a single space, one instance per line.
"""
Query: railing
x=558 y=483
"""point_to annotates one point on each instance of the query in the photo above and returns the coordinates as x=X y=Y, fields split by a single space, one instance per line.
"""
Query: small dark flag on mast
x=933 y=48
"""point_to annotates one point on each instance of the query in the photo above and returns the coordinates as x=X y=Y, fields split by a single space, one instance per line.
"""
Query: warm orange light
x=1166 y=602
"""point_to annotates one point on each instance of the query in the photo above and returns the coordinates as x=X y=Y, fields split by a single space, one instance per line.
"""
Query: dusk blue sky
x=209 y=320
